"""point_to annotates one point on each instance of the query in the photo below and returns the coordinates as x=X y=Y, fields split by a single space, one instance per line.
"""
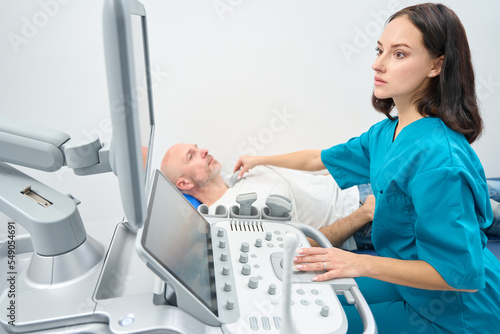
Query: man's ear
x=183 y=183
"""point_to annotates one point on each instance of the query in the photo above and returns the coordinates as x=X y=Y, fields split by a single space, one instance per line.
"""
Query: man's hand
x=368 y=208
x=338 y=232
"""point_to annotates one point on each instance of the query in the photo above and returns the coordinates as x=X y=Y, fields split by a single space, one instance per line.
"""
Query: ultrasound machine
x=167 y=267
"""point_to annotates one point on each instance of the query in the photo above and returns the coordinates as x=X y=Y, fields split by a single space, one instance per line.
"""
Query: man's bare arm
x=344 y=228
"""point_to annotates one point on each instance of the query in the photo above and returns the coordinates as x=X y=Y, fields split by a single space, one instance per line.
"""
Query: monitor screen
x=130 y=96
x=143 y=91
x=178 y=237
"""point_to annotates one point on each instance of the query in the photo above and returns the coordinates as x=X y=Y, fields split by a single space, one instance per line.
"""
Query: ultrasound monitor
x=178 y=237
x=130 y=97
x=176 y=243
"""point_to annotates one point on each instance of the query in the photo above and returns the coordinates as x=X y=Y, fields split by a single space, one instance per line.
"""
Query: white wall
x=234 y=76
x=232 y=65
x=52 y=73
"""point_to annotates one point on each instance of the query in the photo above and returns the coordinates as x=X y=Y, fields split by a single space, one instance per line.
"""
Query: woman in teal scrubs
x=434 y=273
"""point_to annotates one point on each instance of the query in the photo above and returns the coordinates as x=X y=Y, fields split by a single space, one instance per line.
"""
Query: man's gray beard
x=213 y=175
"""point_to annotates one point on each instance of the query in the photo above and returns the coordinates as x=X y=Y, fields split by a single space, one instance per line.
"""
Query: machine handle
x=369 y=325
x=313 y=233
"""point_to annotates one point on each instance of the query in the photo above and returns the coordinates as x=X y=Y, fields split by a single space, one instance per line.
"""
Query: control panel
x=252 y=252
x=227 y=300
x=237 y=274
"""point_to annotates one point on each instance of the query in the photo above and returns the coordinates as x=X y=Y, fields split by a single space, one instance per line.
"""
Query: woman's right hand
x=244 y=164
x=308 y=160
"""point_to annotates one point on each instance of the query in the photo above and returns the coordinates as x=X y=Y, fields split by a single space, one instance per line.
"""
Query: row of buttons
x=258 y=242
x=228 y=284
x=245 y=247
x=266 y=323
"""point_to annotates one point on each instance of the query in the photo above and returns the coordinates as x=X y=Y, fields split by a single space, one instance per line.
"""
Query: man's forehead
x=181 y=151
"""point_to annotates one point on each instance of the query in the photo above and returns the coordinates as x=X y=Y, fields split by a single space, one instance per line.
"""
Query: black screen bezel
x=157 y=178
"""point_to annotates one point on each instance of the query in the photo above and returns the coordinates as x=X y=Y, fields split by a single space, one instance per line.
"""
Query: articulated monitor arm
x=49 y=150
x=51 y=218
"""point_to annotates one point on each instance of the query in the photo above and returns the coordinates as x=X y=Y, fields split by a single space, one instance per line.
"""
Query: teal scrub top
x=432 y=204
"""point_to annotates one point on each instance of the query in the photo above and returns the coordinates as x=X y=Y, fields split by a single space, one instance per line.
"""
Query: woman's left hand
x=335 y=262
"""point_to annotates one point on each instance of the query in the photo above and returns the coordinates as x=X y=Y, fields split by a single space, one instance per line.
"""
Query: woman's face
x=403 y=65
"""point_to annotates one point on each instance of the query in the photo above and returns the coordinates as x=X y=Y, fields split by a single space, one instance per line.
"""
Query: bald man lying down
x=316 y=199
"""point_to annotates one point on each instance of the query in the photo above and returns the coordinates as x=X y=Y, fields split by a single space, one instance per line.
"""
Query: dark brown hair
x=451 y=95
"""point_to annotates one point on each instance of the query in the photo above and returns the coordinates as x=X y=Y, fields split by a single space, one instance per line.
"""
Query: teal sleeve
x=349 y=163
x=447 y=230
